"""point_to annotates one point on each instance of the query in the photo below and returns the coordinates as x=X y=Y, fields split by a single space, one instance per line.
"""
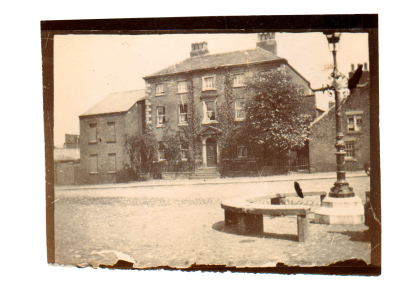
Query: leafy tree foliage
x=275 y=117
x=173 y=140
x=141 y=148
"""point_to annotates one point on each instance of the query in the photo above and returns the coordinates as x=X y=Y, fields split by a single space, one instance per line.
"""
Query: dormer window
x=182 y=87
x=208 y=83
x=159 y=89
x=238 y=80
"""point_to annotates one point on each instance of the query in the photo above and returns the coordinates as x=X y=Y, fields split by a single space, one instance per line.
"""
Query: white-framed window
x=92 y=133
x=183 y=114
x=111 y=163
x=241 y=152
x=354 y=123
x=182 y=87
x=160 y=89
x=161 y=153
x=208 y=83
x=161 y=115
x=350 y=149
x=239 y=105
x=238 y=80
x=93 y=164
x=184 y=151
x=209 y=111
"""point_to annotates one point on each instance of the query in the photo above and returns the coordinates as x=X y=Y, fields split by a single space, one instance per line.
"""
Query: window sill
x=239 y=85
x=353 y=132
x=239 y=119
x=112 y=172
x=209 y=89
x=160 y=126
x=92 y=142
x=160 y=94
x=182 y=92
x=94 y=173
x=183 y=124
x=210 y=122
x=350 y=159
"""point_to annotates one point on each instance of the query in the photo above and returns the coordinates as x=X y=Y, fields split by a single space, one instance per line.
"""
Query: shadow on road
x=219 y=226
x=361 y=236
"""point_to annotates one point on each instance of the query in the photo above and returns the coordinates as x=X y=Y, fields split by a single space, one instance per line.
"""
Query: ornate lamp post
x=341 y=207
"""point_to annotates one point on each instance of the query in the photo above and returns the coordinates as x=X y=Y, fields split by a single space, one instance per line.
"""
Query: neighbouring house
x=355 y=126
x=67 y=162
x=102 y=130
x=200 y=80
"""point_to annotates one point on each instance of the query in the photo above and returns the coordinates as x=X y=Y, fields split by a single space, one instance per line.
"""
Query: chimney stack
x=267 y=42
x=199 y=49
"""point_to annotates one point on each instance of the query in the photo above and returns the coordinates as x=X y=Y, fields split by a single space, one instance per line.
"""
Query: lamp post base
x=348 y=210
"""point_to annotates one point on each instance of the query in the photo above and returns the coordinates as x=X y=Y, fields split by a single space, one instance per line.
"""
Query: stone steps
x=206 y=173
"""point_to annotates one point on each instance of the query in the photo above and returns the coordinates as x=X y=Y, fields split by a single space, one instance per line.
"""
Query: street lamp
x=341 y=206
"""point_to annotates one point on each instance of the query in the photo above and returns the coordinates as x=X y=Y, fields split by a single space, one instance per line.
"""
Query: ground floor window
x=184 y=152
x=350 y=149
x=93 y=164
x=112 y=163
x=241 y=152
x=161 y=152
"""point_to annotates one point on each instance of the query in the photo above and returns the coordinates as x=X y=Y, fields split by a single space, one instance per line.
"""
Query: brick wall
x=323 y=132
x=172 y=99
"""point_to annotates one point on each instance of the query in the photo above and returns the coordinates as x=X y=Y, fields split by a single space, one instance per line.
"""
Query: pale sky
x=88 y=67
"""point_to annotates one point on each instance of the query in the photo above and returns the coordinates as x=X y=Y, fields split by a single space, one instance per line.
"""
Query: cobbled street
x=182 y=225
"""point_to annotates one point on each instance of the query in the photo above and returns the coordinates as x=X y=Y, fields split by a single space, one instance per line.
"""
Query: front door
x=211 y=153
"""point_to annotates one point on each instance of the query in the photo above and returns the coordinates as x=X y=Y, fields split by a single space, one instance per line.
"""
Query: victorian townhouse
x=202 y=78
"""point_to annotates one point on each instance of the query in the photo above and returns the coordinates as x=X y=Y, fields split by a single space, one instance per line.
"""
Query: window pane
x=209 y=82
x=111 y=162
x=160 y=110
x=159 y=88
x=92 y=133
x=182 y=87
x=183 y=108
x=111 y=132
x=93 y=163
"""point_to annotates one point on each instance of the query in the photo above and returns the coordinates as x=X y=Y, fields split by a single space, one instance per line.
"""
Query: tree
x=141 y=148
x=275 y=118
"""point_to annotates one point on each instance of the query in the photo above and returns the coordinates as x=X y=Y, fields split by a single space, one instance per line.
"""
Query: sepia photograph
x=231 y=149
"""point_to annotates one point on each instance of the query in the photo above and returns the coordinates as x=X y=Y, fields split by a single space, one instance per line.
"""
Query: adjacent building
x=102 y=130
x=356 y=128
x=67 y=162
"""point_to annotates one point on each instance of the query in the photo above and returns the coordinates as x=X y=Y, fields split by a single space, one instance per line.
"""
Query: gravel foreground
x=181 y=225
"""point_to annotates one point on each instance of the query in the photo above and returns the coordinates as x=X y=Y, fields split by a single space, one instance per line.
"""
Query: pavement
x=182 y=182
x=180 y=222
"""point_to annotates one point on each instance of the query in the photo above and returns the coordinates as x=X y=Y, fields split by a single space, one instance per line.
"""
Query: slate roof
x=219 y=60
x=116 y=102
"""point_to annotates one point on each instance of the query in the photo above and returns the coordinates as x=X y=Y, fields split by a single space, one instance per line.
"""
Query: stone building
x=355 y=126
x=102 y=130
x=201 y=80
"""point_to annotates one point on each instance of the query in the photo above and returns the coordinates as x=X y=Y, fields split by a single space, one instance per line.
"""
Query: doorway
x=211 y=152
